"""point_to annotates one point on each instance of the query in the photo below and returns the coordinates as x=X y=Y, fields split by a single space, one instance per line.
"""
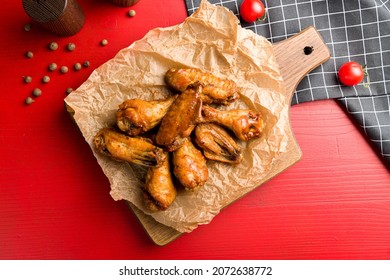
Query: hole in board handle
x=308 y=50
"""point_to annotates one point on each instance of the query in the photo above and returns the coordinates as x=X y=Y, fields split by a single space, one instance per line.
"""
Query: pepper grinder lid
x=62 y=17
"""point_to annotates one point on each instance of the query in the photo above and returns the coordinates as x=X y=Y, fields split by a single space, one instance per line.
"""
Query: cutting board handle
x=298 y=55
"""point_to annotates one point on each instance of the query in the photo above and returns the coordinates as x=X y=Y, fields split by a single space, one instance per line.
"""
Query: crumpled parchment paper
x=212 y=40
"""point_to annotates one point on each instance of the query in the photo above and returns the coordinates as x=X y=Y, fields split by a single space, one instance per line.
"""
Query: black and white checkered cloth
x=354 y=31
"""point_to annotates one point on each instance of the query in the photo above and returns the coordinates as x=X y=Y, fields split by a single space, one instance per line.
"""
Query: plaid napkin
x=354 y=31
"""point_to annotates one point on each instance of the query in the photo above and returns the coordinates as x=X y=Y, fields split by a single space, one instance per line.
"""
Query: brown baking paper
x=212 y=40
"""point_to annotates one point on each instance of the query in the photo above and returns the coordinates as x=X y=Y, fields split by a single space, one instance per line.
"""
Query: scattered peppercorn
x=64 y=69
x=29 y=54
x=69 y=90
x=77 y=66
x=29 y=101
x=53 y=46
x=104 y=42
x=52 y=66
x=46 y=79
x=86 y=63
x=27 y=79
x=70 y=47
x=131 y=13
x=37 y=92
x=27 y=27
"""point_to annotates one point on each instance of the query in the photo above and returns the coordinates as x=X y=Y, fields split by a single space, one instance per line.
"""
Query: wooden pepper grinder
x=62 y=17
x=125 y=3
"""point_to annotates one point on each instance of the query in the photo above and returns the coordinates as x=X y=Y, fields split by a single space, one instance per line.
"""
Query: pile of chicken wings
x=175 y=137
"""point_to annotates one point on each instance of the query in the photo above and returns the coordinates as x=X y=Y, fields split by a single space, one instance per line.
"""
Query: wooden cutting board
x=294 y=63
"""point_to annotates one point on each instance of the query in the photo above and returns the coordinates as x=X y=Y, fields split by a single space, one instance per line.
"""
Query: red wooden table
x=55 y=202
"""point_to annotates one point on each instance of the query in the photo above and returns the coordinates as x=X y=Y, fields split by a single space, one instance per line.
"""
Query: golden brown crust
x=179 y=121
x=124 y=148
x=189 y=166
x=215 y=90
x=136 y=116
x=245 y=124
x=217 y=144
x=159 y=189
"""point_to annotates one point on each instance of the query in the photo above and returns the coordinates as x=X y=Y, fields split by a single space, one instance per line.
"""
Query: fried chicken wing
x=136 y=116
x=215 y=90
x=159 y=190
x=189 y=166
x=179 y=121
x=130 y=149
x=217 y=144
x=246 y=124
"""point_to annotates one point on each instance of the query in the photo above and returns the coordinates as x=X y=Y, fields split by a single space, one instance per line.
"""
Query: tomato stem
x=263 y=17
x=367 y=77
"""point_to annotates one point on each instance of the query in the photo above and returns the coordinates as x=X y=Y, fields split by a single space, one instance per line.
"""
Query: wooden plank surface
x=54 y=200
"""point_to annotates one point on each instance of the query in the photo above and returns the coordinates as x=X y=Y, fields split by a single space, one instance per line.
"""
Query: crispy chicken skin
x=215 y=90
x=136 y=116
x=189 y=166
x=217 y=144
x=179 y=121
x=130 y=149
x=159 y=190
x=245 y=124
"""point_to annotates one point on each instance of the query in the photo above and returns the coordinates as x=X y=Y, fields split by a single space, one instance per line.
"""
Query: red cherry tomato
x=351 y=73
x=252 y=10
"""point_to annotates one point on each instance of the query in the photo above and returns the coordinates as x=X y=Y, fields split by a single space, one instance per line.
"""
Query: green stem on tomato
x=366 y=83
x=263 y=17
